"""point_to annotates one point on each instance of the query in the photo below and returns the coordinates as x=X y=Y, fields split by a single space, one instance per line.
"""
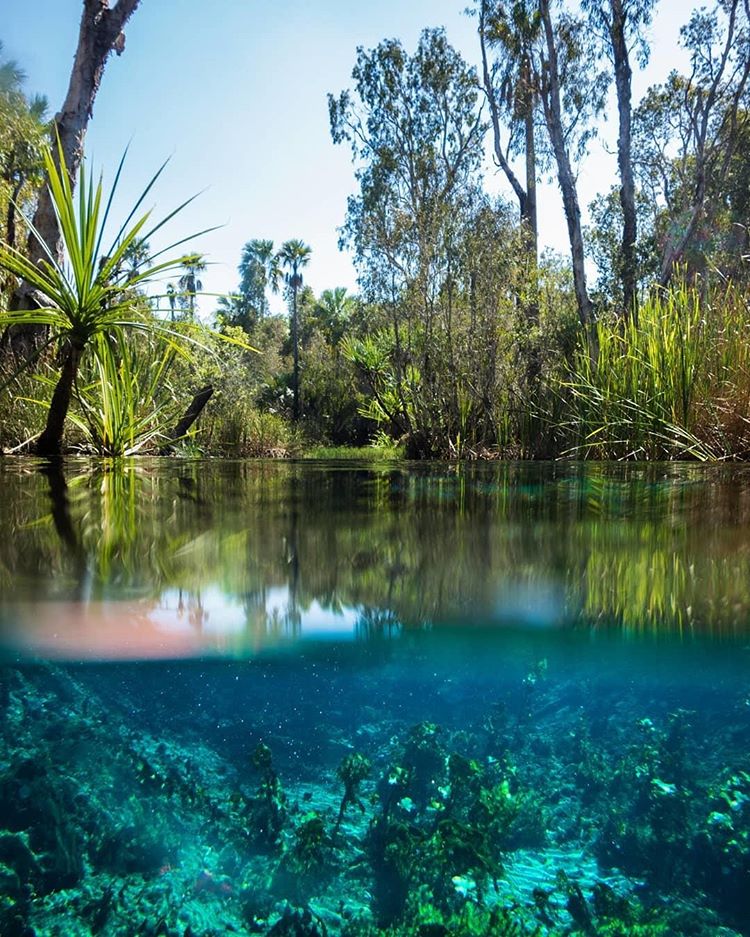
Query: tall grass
x=676 y=386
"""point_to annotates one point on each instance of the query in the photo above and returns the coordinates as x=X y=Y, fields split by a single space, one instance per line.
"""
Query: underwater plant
x=267 y=812
x=352 y=771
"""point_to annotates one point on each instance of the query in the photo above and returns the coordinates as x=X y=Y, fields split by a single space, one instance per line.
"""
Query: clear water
x=308 y=699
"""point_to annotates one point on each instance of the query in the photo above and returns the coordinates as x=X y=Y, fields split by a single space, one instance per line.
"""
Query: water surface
x=308 y=699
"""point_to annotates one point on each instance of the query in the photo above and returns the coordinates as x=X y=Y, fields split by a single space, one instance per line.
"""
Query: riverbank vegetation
x=464 y=340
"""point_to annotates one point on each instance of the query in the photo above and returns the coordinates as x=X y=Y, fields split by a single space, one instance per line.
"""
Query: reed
x=676 y=386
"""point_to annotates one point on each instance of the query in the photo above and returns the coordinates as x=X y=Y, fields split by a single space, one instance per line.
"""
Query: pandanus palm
x=291 y=258
x=87 y=300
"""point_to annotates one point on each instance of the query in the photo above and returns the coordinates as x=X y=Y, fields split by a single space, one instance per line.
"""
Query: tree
x=332 y=312
x=571 y=90
x=415 y=129
x=690 y=128
x=171 y=299
x=620 y=26
x=416 y=135
x=100 y=33
x=604 y=244
x=22 y=136
x=87 y=299
x=256 y=272
x=288 y=262
x=189 y=284
x=511 y=30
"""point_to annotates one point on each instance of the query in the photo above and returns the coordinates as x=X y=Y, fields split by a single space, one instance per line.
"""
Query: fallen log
x=192 y=413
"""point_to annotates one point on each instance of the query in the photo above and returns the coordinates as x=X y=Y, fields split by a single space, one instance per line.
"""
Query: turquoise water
x=310 y=699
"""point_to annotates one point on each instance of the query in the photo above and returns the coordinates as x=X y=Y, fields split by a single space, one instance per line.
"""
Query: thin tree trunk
x=623 y=78
x=295 y=350
x=10 y=221
x=100 y=34
x=526 y=196
x=529 y=215
x=551 y=100
x=50 y=442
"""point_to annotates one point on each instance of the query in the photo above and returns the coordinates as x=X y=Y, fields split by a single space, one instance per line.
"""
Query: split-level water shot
x=375 y=468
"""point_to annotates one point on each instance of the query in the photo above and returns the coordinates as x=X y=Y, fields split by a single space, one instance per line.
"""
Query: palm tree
x=135 y=256
x=86 y=300
x=256 y=274
x=12 y=76
x=192 y=265
x=333 y=311
x=171 y=299
x=288 y=262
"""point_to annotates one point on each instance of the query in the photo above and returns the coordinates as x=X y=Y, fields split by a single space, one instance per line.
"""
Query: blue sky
x=234 y=91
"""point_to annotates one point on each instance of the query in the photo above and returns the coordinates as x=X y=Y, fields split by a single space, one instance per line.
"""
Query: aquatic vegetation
x=671 y=385
x=482 y=827
x=352 y=771
x=415 y=781
x=267 y=810
x=307 y=862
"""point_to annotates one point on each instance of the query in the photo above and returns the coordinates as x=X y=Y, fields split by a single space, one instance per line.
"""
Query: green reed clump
x=674 y=386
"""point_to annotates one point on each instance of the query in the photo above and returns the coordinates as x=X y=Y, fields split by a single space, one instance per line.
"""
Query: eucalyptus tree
x=256 y=274
x=620 y=25
x=415 y=129
x=571 y=91
x=691 y=129
x=511 y=31
x=288 y=263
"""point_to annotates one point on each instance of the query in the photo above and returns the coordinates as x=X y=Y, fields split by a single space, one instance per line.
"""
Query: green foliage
x=129 y=403
x=605 y=247
x=674 y=386
x=256 y=271
x=88 y=299
x=22 y=137
x=352 y=771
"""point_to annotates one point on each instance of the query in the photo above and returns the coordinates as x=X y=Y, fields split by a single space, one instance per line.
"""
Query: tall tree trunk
x=50 y=442
x=100 y=33
x=529 y=214
x=526 y=196
x=295 y=351
x=623 y=77
x=551 y=101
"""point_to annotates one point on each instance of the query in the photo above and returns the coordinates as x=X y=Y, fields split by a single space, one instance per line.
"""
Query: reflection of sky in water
x=180 y=623
x=214 y=613
x=188 y=623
